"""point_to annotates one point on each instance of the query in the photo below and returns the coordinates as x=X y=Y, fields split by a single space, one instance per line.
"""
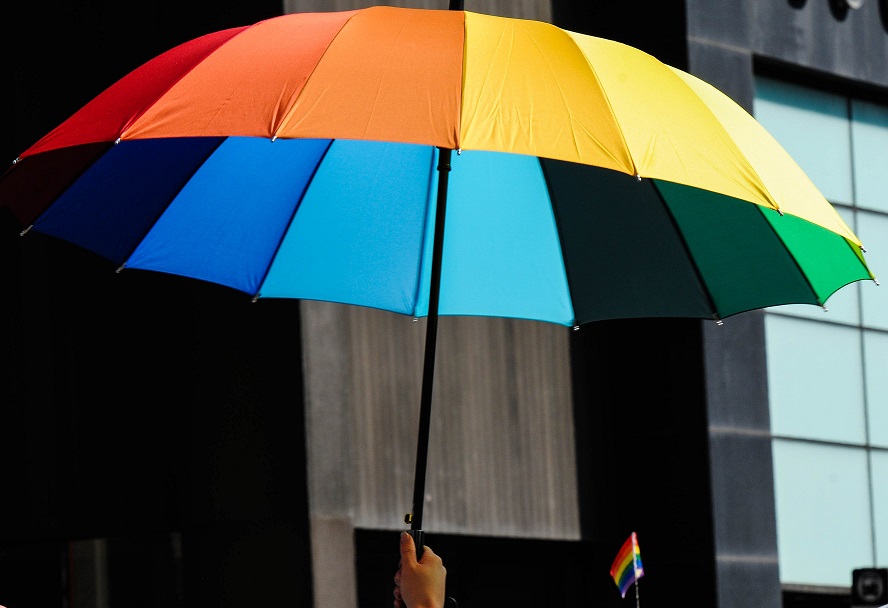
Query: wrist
x=429 y=603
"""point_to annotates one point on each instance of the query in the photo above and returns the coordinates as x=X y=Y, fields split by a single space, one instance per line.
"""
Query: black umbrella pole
x=457 y=5
x=428 y=370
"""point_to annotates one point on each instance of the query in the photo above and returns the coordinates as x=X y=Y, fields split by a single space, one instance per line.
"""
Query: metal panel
x=501 y=458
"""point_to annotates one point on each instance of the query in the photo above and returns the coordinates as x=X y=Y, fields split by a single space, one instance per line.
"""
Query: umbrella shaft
x=428 y=370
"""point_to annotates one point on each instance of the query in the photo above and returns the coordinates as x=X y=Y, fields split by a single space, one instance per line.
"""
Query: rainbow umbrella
x=311 y=156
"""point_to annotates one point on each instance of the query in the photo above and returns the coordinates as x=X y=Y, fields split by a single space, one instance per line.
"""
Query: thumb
x=408 y=549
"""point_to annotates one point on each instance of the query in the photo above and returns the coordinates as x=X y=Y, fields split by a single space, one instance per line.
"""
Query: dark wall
x=640 y=403
x=59 y=55
x=137 y=405
x=643 y=459
x=658 y=28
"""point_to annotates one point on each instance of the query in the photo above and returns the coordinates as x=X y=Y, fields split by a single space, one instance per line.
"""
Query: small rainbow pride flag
x=626 y=568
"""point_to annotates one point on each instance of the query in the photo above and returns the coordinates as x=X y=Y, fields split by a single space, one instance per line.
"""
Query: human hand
x=419 y=584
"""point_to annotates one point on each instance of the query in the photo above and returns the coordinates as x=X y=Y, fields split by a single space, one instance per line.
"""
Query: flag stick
x=635 y=566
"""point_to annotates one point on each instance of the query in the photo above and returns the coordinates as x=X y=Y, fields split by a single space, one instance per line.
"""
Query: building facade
x=169 y=442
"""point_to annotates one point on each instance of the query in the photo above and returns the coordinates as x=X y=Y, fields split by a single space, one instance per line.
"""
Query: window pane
x=876 y=357
x=813 y=127
x=823 y=513
x=869 y=133
x=873 y=228
x=815 y=379
x=880 y=504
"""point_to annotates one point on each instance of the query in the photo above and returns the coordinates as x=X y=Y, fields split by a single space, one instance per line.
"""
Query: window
x=828 y=371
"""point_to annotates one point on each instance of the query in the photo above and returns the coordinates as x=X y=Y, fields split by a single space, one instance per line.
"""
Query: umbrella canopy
x=310 y=156
x=297 y=158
